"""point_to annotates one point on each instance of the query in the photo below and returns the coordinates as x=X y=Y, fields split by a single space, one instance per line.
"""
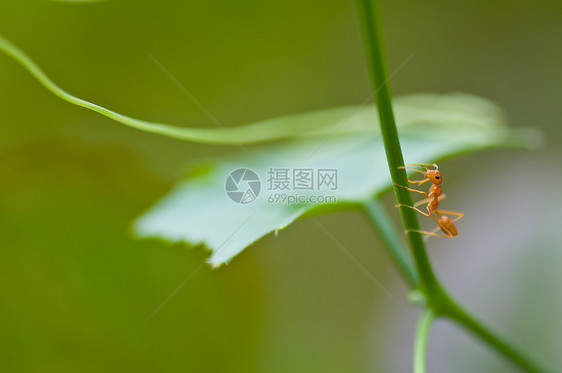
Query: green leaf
x=199 y=211
x=457 y=109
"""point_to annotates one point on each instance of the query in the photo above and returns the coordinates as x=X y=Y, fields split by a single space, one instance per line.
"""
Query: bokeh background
x=76 y=287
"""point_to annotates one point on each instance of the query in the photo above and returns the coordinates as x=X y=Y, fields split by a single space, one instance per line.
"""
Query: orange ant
x=446 y=224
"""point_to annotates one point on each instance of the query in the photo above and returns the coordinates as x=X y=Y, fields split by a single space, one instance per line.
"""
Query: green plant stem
x=420 y=343
x=441 y=304
x=392 y=241
x=456 y=313
x=438 y=301
x=375 y=56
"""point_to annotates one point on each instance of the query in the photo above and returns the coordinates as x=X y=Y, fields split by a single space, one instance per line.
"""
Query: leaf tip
x=529 y=138
x=215 y=265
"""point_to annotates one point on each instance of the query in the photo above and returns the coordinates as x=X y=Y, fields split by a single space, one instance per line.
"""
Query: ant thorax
x=435 y=191
x=433 y=205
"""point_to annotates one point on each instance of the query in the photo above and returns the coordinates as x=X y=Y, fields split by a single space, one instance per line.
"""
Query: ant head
x=434 y=176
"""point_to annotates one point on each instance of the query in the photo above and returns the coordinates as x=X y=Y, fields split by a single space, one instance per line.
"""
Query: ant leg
x=422 y=202
x=414 y=170
x=413 y=208
x=424 y=165
x=458 y=214
x=427 y=200
x=440 y=227
x=411 y=169
x=413 y=190
x=432 y=233
x=419 y=182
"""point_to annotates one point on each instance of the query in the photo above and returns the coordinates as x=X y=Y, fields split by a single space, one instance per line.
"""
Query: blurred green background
x=76 y=288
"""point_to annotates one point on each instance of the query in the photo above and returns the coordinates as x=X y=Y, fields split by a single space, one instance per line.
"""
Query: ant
x=446 y=224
